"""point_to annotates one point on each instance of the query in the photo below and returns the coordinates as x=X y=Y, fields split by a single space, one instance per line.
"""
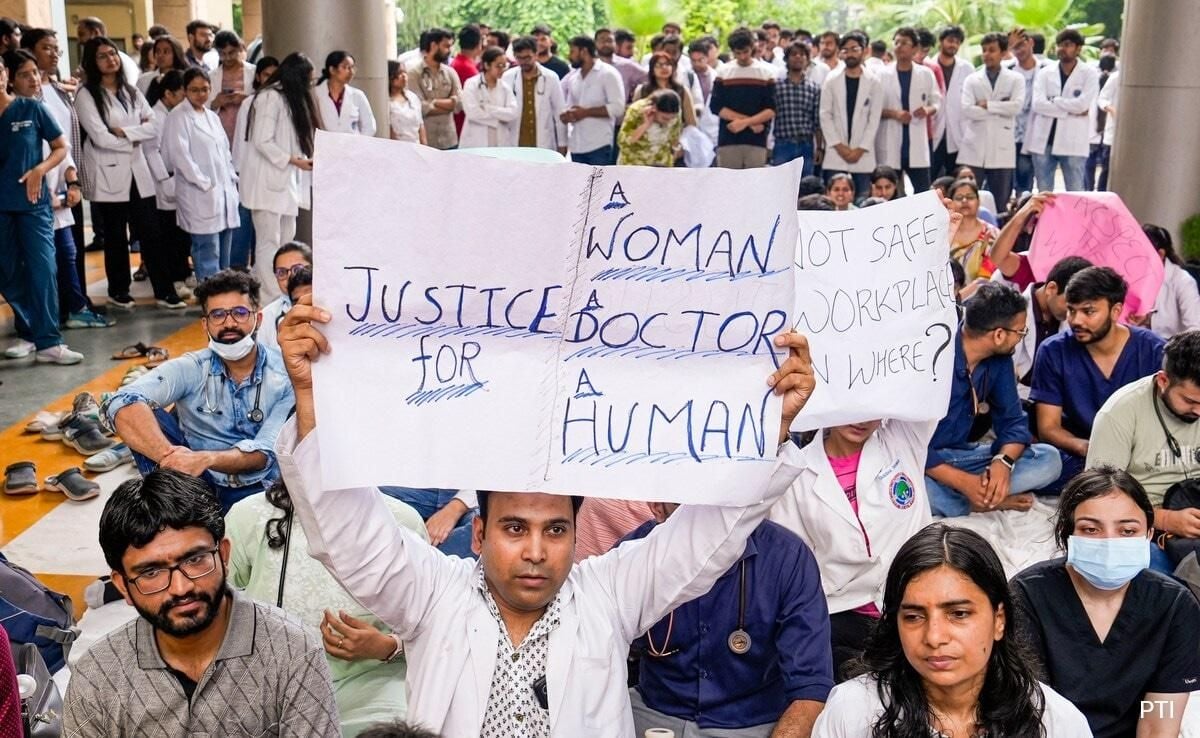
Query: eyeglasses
x=240 y=314
x=153 y=581
x=1022 y=333
x=284 y=272
x=965 y=198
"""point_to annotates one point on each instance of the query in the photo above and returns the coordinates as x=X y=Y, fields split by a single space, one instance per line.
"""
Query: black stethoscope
x=739 y=640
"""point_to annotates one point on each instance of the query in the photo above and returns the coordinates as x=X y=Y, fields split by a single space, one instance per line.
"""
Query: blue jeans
x=1044 y=166
x=1023 y=177
x=786 y=151
x=1097 y=161
x=169 y=425
x=243 y=241
x=29 y=273
x=70 y=295
x=427 y=502
x=210 y=252
x=601 y=157
x=1038 y=467
x=1159 y=561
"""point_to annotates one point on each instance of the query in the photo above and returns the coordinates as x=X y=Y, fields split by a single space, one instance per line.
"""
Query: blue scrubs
x=28 y=273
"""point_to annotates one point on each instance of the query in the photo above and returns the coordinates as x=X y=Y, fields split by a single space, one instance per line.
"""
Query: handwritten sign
x=1098 y=227
x=591 y=330
x=875 y=296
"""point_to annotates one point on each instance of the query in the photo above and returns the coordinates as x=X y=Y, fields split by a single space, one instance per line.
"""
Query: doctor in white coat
x=991 y=101
x=174 y=240
x=531 y=81
x=923 y=101
x=1058 y=128
x=947 y=124
x=850 y=141
x=343 y=108
x=206 y=194
x=524 y=634
x=489 y=105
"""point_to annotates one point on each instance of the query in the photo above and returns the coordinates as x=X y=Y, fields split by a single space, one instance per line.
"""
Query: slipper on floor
x=133 y=374
x=132 y=352
x=155 y=356
x=20 y=478
x=42 y=421
x=74 y=485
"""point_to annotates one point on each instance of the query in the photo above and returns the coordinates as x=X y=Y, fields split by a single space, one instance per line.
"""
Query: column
x=251 y=19
x=36 y=13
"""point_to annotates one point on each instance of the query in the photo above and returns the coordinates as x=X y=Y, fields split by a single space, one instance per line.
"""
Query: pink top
x=231 y=80
x=845 y=468
x=601 y=523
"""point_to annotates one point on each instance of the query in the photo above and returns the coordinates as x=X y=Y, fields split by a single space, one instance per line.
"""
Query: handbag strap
x=287 y=545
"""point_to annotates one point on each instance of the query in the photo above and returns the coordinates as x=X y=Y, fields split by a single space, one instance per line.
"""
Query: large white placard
x=506 y=325
x=875 y=296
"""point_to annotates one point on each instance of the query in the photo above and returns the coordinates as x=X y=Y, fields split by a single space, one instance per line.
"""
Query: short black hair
x=93 y=24
x=741 y=38
x=297 y=246
x=952 y=32
x=197 y=24
x=1067 y=267
x=434 y=36
x=1039 y=43
x=830 y=34
x=226 y=38
x=524 y=43
x=623 y=35
x=228 y=280
x=143 y=506
x=481 y=497
x=857 y=37
x=171 y=81
x=878 y=47
x=1090 y=484
x=1097 y=283
x=665 y=101
x=398 y=729
x=30 y=39
x=192 y=73
x=768 y=24
x=942 y=183
x=883 y=171
x=157 y=30
x=699 y=46
x=583 y=43
x=299 y=278
x=959 y=274
x=925 y=37
x=993 y=306
x=469 y=37
x=8 y=26
x=1181 y=358
x=815 y=201
x=797 y=47
x=908 y=33
x=1000 y=39
x=1110 y=43
x=1069 y=36
x=502 y=38
x=542 y=29
x=811 y=185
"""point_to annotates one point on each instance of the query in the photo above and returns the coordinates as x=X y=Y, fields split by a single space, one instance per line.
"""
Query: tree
x=566 y=17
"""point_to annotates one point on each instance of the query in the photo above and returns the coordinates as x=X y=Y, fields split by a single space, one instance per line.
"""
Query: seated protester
x=751 y=655
x=202 y=659
x=1076 y=372
x=1007 y=252
x=963 y=475
x=945 y=660
x=987 y=203
x=602 y=522
x=230 y=399
x=289 y=258
x=1100 y=612
x=1177 y=307
x=885 y=183
x=811 y=185
x=841 y=191
x=1047 y=316
x=975 y=236
x=523 y=638
x=269 y=561
x=448 y=514
x=1149 y=428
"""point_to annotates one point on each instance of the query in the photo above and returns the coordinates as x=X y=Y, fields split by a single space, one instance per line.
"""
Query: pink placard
x=1098 y=227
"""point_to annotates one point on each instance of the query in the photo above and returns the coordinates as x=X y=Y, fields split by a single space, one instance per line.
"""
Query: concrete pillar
x=1156 y=152
x=176 y=14
x=251 y=20
x=36 y=13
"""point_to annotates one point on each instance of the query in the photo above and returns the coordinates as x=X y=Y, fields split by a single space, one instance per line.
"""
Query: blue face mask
x=1108 y=563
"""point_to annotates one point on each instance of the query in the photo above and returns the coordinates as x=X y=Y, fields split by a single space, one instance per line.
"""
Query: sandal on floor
x=133 y=374
x=20 y=478
x=132 y=352
x=155 y=356
x=42 y=421
x=74 y=485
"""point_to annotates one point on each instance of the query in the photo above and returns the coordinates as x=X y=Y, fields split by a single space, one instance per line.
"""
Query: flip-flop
x=74 y=485
x=132 y=352
x=42 y=421
x=20 y=478
x=156 y=355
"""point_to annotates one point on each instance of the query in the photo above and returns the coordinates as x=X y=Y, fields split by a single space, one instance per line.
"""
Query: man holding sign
x=524 y=637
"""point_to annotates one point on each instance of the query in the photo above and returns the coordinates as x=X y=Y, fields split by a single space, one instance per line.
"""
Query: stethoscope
x=256 y=415
x=739 y=640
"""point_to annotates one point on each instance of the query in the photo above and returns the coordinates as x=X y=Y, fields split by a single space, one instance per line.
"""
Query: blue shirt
x=214 y=412
x=1065 y=375
x=995 y=382
x=25 y=124
x=788 y=622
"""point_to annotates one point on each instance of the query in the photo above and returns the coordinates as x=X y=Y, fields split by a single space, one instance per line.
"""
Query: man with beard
x=437 y=85
x=230 y=399
x=632 y=73
x=963 y=475
x=202 y=659
x=1075 y=373
x=827 y=60
x=1149 y=428
x=540 y=96
x=200 y=46
x=595 y=98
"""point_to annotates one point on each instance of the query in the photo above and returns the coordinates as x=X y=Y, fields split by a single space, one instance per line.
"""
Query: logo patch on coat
x=902 y=491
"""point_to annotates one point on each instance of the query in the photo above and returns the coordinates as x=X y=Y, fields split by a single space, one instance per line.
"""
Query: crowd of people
x=835 y=607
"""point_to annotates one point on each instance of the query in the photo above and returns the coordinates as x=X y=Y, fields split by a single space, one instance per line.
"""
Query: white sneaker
x=19 y=349
x=183 y=290
x=59 y=354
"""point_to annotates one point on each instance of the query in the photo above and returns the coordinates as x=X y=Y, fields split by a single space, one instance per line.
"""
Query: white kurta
x=197 y=149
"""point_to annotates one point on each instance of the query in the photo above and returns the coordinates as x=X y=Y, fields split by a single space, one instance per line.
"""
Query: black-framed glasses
x=240 y=314
x=1022 y=333
x=196 y=566
x=285 y=272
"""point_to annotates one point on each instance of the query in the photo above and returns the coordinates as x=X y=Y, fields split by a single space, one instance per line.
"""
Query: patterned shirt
x=797 y=106
x=512 y=707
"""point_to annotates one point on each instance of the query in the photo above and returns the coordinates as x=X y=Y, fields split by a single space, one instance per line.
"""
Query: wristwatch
x=1006 y=460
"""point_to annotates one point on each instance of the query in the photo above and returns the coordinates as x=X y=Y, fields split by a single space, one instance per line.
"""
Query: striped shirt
x=747 y=90
x=269 y=679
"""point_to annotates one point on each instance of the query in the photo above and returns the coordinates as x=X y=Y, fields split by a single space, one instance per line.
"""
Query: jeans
x=271 y=230
x=29 y=274
x=786 y=151
x=1159 y=561
x=1038 y=467
x=169 y=425
x=1023 y=177
x=1071 y=465
x=998 y=182
x=71 y=298
x=427 y=502
x=1072 y=169
x=210 y=252
x=601 y=157
x=1097 y=160
x=862 y=182
x=243 y=241
x=942 y=162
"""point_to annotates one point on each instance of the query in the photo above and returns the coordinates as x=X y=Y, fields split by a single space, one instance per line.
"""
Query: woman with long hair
x=276 y=160
x=489 y=105
x=343 y=108
x=1177 y=307
x=404 y=109
x=975 y=236
x=943 y=660
x=167 y=54
x=840 y=189
x=649 y=135
x=663 y=68
x=117 y=119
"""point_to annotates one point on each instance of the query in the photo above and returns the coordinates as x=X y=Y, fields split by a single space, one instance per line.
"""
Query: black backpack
x=34 y=614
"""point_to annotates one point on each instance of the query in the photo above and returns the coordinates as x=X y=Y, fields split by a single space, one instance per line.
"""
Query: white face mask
x=232 y=351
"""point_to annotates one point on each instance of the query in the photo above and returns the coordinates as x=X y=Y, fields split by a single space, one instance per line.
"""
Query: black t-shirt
x=185 y=682
x=1063 y=77
x=1151 y=647
x=905 y=78
x=557 y=65
x=851 y=101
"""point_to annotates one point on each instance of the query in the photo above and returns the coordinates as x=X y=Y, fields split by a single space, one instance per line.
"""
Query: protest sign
x=593 y=330
x=1098 y=227
x=875 y=296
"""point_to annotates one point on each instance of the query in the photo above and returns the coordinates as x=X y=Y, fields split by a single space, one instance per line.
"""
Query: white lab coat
x=867 y=109
x=164 y=177
x=922 y=91
x=450 y=637
x=269 y=181
x=1068 y=105
x=1109 y=97
x=205 y=181
x=549 y=102
x=489 y=114
x=853 y=565
x=114 y=163
x=948 y=121
x=1177 y=307
x=356 y=115
x=989 y=135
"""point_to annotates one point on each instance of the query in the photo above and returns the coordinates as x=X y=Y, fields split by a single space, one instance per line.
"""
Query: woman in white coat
x=489 y=105
x=1177 y=308
x=116 y=117
x=276 y=159
x=206 y=193
x=531 y=81
x=343 y=108
x=404 y=108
